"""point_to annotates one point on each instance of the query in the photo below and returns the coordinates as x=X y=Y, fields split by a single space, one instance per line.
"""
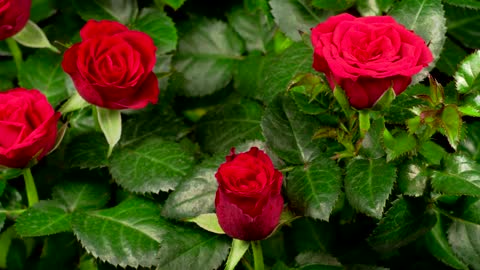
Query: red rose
x=28 y=127
x=248 y=201
x=14 y=15
x=366 y=56
x=112 y=66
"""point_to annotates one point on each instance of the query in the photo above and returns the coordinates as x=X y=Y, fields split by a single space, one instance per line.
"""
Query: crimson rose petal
x=14 y=15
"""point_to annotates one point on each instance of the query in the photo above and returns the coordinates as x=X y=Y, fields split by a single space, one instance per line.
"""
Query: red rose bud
x=28 y=127
x=112 y=66
x=14 y=15
x=366 y=56
x=248 y=201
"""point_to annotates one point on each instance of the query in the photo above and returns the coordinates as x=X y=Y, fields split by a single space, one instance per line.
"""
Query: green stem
x=257 y=255
x=364 y=118
x=16 y=52
x=30 y=186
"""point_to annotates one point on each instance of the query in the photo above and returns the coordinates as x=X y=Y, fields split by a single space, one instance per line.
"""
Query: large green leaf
x=451 y=122
x=451 y=56
x=206 y=57
x=464 y=25
x=373 y=8
x=293 y=16
x=399 y=144
x=128 y=234
x=152 y=165
x=44 y=218
x=255 y=28
x=313 y=189
x=289 y=132
x=467 y=77
x=159 y=27
x=230 y=125
x=196 y=194
x=426 y=19
x=33 y=36
x=474 y=4
x=407 y=220
x=43 y=71
x=123 y=11
x=248 y=76
x=81 y=194
x=461 y=176
x=368 y=184
x=185 y=248
x=88 y=150
x=469 y=145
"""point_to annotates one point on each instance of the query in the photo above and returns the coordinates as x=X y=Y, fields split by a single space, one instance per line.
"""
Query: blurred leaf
x=317 y=261
x=464 y=25
x=412 y=177
x=451 y=122
x=87 y=151
x=239 y=247
x=83 y=195
x=368 y=184
x=333 y=5
x=3 y=215
x=373 y=8
x=314 y=188
x=42 y=9
x=293 y=16
x=206 y=57
x=42 y=70
x=248 y=76
x=32 y=36
x=254 y=28
x=432 y=152
x=152 y=165
x=398 y=145
x=404 y=222
x=127 y=234
x=467 y=77
x=159 y=27
x=312 y=235
x=461 y=176
x=123 y=11
x=17 y=255
x=426 y=19
x=7 y=174
x=372 y=146
x=208 y=222
x=450 y=57
x=473 y=4
x=44 y=218
x=175 y=4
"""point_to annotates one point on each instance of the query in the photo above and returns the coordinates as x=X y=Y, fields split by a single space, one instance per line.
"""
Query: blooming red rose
x=366 y=56
x=112 y=66
x=14 y=15
x=248 y=201
x=28 y=127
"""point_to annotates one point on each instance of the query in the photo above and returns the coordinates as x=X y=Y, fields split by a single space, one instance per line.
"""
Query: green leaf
x=3 y=216
x=372 y=146
x=42 y=9
x=196 y=194
x=175 y=4
x=313 y=189
x=398 y=145
x=110 y=122
x=238 y=249
x=289 y=132
x=432 y=152
x=44 y=218
x=74 y=103
x=206 y=57
x=32 y=36
x=88 y=150
x=7 y=174
x=404 y=222
x=437 y=244
x=255 y=28
x=473 y=4
x=400 y=110
x=159 y=27
x=451 y=122
x=373 y=8
x=185 y=248
x=42 y=70
x=450 y=57
x=230 y=125
x=333 y=5
x=128 y=234
x=152 y=165
x=248 y=76
x=467 y=77
x=464 y=25
x=469 y=145
x=81 y=194
x=123 y=11
x=426 y=19
x=412 y=177
x=208 y=222
x=385 y=101
x=368 y=184
x=460 y=177
x=293 y=16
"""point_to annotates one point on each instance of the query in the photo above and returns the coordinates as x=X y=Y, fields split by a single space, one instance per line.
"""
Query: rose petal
x=146 y=93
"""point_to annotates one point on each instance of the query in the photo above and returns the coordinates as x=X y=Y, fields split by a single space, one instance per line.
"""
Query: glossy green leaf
x=399 y=110
x=123 y=11
x=81 y=194
x=32 y=36
x=238 y=249
x=333 y=5
x=426 y=19
x=412 y=177
x=88 y=150
x=432 y=152
x=461 y=176
x=464 y=25
x=293 y=16
x=42 y=70
x=110 y=122
x=206 y=57
x=473 y=4
x=470 y=144
x=373 y=8
x=368 y=184
x=289 y=132
x=152 y=165
x=450 y=57
x=230 y=125
x=185 y=248
x=467 y=77
x=404 y=222
x=159 y=27
x=208 y=222
x=255 y=28
x=313 y=189
x=128 y=234
x=398 y=145
x=44 y=218
x=451 y=122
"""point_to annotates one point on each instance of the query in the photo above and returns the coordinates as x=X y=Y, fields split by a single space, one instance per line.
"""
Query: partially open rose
x=14 y=15
x=366 y=56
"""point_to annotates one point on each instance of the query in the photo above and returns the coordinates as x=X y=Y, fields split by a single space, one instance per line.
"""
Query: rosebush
x=269 y=134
